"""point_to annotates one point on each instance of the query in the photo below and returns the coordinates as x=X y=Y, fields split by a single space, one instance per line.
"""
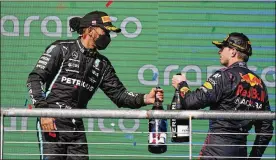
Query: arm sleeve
x=116 y=91
x=44 y=71
x=265 y=127
x=209 y=93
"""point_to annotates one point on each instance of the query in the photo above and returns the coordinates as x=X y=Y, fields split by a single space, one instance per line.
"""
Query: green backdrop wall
x=157 y=38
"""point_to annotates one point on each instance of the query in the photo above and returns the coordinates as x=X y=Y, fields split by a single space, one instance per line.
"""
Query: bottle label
x=157 y=129
x=157 y=138
x=173 y=127
x=183 y=131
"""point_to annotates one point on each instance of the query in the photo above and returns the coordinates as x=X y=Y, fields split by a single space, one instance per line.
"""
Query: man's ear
x=234 y=52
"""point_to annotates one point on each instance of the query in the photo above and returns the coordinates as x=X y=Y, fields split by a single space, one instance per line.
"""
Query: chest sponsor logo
x=75 y=55
x=77 y=82
x=96 y=64
x=73 y=66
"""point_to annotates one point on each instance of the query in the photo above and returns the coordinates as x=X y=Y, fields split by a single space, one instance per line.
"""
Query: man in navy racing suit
x=232 y=88
x=66 y=77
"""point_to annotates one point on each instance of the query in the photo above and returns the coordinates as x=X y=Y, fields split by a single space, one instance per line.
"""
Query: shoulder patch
x=208 y=85
x=217 y=75
x=183 y=91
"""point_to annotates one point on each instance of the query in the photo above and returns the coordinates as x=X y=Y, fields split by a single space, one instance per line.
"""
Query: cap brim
x=218 y=44
x=112 y=28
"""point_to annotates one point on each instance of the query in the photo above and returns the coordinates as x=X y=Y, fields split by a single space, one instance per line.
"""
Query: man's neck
x=87 y=43
x=233 y=61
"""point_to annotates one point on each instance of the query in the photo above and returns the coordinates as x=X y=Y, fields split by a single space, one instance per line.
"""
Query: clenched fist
x=48 y=124
x=150 y=98
x=177 y=79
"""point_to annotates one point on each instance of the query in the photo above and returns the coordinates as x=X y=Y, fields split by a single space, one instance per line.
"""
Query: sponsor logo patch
x=208 y=85
x=251 y=79
x=106 y=19
x=183 y=91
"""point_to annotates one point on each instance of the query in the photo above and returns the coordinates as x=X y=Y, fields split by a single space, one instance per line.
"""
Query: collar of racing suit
x=238 y=64
x=85 y=51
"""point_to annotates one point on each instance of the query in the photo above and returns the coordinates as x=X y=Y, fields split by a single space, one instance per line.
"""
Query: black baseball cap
x=100 y=19
x=239 y=41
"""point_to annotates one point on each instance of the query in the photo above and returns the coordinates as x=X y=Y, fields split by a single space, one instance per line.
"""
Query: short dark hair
x=243 y=56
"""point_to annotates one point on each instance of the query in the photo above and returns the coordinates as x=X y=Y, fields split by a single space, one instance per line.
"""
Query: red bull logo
x=251 y=79
x=252 y=93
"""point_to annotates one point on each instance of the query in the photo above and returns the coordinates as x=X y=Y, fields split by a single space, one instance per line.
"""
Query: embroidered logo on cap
x=94 y=22
x=106 y=19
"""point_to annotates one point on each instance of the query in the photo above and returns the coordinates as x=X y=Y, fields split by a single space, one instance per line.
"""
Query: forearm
x=37 y=95
x=265 y=129
x=192 y=100
x=131 y=100
x=257 y=151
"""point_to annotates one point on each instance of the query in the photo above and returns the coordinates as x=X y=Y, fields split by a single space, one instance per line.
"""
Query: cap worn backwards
x=100 y=19
x=239 y=41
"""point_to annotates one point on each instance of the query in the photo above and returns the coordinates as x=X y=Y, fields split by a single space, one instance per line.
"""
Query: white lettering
x=78 y=83
x=69 y=33
x=68 y=80
x=95 y=73
x=12 y=124
x=197 y=70
x=103 y=128
x=265 y=72
x=45 y=58
x=212 y=69
x=15 y=22
x=27 y=24
x=58 y=28
x=167 y=72
x=16 y=122
x=141 y=75
x=42 y=62
x=74 y=81
x=258 y=106
x=40 y=66
x=113 y=34
x=132 y=129
x=270 y=70
x=138 y=27
x=63 y=79
x=44 y=29
x=90 y=124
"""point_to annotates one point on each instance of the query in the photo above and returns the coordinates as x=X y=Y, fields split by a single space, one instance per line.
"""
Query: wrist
x=146 y=99
x=182 y=84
